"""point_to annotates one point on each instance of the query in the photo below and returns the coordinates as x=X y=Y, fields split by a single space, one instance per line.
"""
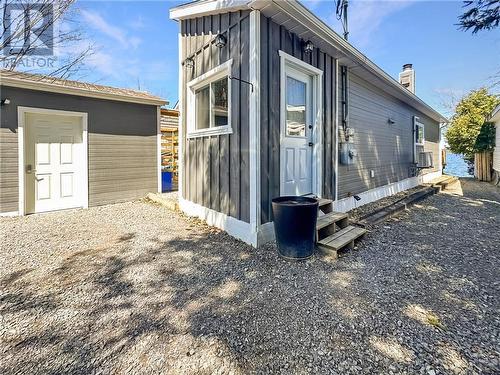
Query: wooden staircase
x=333 y=231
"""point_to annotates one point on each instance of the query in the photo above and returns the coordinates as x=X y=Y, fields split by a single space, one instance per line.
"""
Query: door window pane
x=296 y=115
x=220 y=100
x=203 y=108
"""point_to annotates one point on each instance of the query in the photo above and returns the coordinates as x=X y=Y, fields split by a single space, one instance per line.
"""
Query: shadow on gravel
x=416 y=295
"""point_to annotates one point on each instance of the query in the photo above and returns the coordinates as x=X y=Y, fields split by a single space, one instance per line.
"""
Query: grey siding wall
x=216 y=169
x=385 y=148
x=8 y=168
x=273 y=39
x=122 y=147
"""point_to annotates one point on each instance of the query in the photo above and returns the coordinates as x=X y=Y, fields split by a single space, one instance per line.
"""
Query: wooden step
x=341 y=238
x=325 y=205
x=330 y=218
x=323 y=202
x=329 y=223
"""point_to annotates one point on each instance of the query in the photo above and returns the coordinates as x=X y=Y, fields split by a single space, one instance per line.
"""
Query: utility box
x=347 y=153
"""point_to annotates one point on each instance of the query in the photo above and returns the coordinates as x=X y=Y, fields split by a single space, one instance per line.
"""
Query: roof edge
x=201 y=8
x=78 y=91
x=495 y=114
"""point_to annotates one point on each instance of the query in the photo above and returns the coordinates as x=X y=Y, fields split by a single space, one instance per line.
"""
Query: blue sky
x=136 y=44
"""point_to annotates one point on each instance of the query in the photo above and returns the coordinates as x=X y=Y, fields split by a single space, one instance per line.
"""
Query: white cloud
x=95 y=20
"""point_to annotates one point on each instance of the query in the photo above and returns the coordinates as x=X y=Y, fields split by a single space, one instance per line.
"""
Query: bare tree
x=480 y=15
x=39 y=29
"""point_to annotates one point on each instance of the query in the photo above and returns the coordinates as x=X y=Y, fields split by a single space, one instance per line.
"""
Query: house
x=273 y=102
x=169 y=125
x=495 y=118
x=67 y=144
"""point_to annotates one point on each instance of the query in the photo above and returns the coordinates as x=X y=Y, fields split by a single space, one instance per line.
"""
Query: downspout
x=345 y=97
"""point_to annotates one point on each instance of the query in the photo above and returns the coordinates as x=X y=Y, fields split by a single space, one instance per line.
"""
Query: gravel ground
x=133 y=288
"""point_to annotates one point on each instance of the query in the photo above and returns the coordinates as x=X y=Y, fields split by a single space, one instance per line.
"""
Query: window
x=209 y=103
x=295 y=107
x=419 y=133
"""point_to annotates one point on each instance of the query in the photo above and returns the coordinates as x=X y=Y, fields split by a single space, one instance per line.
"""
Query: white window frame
x=221 y=71
x=418 y=125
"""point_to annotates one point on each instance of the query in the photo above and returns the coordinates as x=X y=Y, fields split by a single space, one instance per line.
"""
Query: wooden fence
x=483 y=166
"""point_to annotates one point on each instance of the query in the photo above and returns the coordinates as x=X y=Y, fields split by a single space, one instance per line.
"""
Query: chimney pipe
x=407 y=67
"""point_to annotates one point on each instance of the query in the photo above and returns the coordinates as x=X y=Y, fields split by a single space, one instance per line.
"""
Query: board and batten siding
x=385 y=148
x=273 y=39
x=122 y=145
x=216 y=171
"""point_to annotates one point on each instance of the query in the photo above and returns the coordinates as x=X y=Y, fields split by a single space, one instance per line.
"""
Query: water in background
x=456 y=165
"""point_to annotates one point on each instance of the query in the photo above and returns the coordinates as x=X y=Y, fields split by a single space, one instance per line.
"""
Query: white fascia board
x=199 y=9
x=77 y=91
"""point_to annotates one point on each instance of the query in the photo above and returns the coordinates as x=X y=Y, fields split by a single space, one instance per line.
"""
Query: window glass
x=296 y=115
x=220 y=102
x=420 y=134
x=203 y=107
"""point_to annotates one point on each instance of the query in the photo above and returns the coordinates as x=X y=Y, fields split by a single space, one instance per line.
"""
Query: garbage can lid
x=293 y=200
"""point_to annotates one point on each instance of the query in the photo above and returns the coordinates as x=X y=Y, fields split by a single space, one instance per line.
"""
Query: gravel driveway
x=133 y=288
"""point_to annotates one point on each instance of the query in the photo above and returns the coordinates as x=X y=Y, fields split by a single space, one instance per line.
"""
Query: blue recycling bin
x=166 y=181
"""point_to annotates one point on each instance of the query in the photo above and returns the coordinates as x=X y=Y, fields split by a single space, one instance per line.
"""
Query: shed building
x=67 y=144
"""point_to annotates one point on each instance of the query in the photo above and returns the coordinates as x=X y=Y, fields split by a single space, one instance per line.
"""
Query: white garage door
x=54 y=162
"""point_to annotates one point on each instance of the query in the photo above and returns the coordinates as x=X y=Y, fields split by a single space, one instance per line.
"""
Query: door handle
x=29 y=169
x=311 y=144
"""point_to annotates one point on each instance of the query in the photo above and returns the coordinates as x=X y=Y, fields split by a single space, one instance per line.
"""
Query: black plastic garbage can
x=294 y=225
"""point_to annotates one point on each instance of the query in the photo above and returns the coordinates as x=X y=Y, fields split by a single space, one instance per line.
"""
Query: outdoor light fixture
x=391 y=121
x=220 y=41
x=308 y=47
x=189 y=63
x=5 y=101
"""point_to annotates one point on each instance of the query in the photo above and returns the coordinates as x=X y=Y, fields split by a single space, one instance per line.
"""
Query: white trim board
x=158 y=147
x=21 y=124
x=337 y=114
x=221 y=71
x=234 y=227
x=372 y=195
x=202 y=8
x=180 y=103
x=254 y=121
x=9 y=214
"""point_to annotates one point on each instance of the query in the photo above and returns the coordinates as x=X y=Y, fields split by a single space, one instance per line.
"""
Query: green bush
x=485 y=141
x=467 y=124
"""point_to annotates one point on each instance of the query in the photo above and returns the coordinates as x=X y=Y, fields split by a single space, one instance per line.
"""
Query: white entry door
x=297 y=140
x=54 y=151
